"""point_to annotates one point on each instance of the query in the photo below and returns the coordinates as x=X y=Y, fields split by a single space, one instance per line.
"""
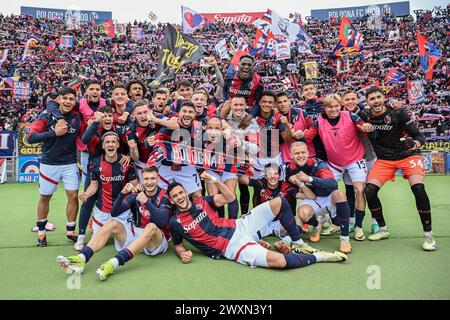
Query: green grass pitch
x=406 y=271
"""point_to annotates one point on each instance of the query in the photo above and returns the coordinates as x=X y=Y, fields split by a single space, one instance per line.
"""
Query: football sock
x=123 y=256
x=422 y=205
x=244 y=198
x=359 y=214
x=221 y=212
x=313 y=221
x=233 y=209
x=70 y=226
x=86 y=253
x=374 y=203
x=41 y=226
x=296 y=260
x=85 y=215
x=287 y=220
x=342 y=217
x=350 y=193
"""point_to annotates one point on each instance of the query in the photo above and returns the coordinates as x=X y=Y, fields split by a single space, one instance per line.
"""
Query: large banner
x=6 y=143
x=28 y=169
x=176 y=50
x=82 y=16
x=416 y=93
x=197 y=157
x=394 y=8
x=240 y=17
x=436 y=145
x=25 y=148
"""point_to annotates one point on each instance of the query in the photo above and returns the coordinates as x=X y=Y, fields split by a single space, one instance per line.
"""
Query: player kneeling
x=139 y=223
x=197 y=221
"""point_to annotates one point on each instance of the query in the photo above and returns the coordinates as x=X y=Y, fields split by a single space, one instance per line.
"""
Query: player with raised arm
x=396 y=141
x=108 y=177
x=197 y=222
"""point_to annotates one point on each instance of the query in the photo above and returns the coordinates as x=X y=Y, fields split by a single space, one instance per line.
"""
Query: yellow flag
x=311 y=70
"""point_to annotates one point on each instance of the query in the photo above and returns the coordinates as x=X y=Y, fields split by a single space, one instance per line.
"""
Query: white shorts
x=133 y=233
x=262 y=162
x=84 y=161
x=49 y=176
x=273 y=229
x=187 y=176
x=322 y=205
x=242 y=247
x=99 y=218
x=355 y=172
x=224 y=176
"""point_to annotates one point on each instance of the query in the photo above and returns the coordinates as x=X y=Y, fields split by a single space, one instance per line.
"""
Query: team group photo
x=209 y=151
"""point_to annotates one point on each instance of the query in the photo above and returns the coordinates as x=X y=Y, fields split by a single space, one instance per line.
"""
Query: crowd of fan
x=94 y=55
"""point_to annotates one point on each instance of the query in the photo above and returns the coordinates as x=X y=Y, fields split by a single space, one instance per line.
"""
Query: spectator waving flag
x=66 y=41
x=136 y=33
x=348 y=35
x=176 y=50
x=429 y=55
x=394 y=76
x=191 y=20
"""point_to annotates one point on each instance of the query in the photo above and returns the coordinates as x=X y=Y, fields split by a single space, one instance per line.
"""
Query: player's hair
x=201 y=91
x=92 y=81
x=119 y=85
x=308 y=83
x=184 y=83
x=246 y=56
x=105 y=109
x=110 y=133
x=172 y=186
x=160 y=91
x=331 y=97
x=372 y=90
x=140 y=103
x=274 y=166
x=281 y=94
x=216 y=118
x=138 y=81
x=298 y=144
x=187 y=104
x=267 y=93
x=238 y=96
x=66 y=90
x=349 y=92
x=149 y=169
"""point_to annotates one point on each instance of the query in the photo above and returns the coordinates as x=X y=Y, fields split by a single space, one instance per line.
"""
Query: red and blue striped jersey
x=202 y=227
x=111 y=177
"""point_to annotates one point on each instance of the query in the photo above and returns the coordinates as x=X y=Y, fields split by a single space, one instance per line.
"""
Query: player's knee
x=371 y=191
x=359 y=188
x=112 y=225
x=339 y=196
x=45 y=198
x=72 y=196
x=150 y=230
x=419 y=191
x=304 y=213
x=276 y=260
x=275 y=205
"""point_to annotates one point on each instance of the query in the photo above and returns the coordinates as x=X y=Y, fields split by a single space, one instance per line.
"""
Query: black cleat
x=71 y=236
x=42 y=241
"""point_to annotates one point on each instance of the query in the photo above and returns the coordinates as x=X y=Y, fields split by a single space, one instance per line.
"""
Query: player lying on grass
x=139 y=223
x=197 y=221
